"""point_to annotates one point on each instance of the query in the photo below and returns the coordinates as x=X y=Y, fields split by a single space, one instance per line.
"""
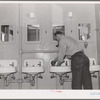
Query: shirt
x=68 y=46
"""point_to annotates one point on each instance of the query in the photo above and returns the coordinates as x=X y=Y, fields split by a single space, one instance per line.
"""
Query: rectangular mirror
x=7 y=33
x=58 y=28
x=33 y=33
x=84 y=31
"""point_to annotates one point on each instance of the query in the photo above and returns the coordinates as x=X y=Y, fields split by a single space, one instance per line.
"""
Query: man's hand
x=53 y=62
x=59 y=63
x=68 y=56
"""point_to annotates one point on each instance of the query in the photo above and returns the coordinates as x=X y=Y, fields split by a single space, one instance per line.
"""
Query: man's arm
x=59 y=63
x=62 y=53
x=53 y=62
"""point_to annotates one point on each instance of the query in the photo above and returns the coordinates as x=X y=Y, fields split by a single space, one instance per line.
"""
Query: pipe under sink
x=7 y=69
x=33 y=68
x=61 y=71
x=65 y=69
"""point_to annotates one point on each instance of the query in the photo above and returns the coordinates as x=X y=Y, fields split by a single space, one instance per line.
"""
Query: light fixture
x=70 y=14
x=32 y=15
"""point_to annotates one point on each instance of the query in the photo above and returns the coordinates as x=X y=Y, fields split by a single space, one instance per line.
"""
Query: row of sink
x=33 y=67
x=37 y=65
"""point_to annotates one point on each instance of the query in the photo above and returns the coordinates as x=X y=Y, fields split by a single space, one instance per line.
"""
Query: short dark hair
x=58 y=33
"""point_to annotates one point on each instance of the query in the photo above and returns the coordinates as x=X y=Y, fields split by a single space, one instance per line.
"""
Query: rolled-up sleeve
x=62 y=51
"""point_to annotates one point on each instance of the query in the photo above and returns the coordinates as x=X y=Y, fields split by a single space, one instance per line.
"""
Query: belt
x=82 y=51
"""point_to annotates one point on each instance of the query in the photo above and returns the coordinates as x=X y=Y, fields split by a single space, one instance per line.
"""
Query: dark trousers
x=80 y=71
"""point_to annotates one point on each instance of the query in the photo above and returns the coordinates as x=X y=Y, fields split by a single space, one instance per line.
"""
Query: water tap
x=26 y=64
x=39 y=64
x=93 y=62
x=12 y=64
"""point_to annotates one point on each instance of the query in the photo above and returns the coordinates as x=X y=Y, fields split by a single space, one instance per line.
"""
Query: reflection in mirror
x=58 y=28
x=84 y=31
x=7 y=33
x=33 y=33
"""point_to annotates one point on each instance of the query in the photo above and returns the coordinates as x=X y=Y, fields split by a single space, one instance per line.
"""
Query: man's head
x=58 y=35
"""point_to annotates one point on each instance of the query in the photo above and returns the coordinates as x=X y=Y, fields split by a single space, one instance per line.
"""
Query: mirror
x=7 y=33
x=58 y=28
x=84 y=31
x=33 y=33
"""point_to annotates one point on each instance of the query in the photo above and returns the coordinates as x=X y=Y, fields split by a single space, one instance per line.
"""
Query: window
x=33 y=33
x=7 y=33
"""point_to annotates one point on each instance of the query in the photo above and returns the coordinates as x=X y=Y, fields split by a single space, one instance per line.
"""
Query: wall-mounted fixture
x=33 y=33
x=33 y=68
x=70 y=14
x=85 y=45
x=61 y=71
x=32 y=15
x=84 y=31
x=7 y=70
x=7 y=34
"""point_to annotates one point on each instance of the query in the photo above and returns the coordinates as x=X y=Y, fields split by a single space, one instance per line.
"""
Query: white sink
x=68 y=68
x=32 y=69
x=8 y=66
x=6 y=70
x=33 y=66
x=93 y=65
x=61 y=69
x=94 y=68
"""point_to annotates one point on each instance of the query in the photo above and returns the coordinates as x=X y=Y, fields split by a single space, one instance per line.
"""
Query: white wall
x=18 y=15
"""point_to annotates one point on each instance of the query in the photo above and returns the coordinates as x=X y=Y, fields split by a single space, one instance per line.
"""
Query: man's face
x=58 y=37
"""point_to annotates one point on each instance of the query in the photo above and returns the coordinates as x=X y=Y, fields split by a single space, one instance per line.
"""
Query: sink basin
x=65 y=67
x=60 y=69
x=93 y=65
x=33 y=66
x=4 y=70
x=8 y=66
x=68 y=68
x=94 y=68
x=32 y=69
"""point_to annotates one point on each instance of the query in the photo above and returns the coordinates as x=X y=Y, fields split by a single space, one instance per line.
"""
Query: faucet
x=93 y=62
x=12 y=64
x=39 y=64
x=26 y=64
x=66 y=63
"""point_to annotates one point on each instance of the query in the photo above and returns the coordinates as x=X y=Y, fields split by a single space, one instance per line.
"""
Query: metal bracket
x=5 y=77
x=61 y=79
x=32 y=77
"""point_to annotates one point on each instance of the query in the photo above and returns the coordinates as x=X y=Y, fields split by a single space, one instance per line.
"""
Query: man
x=79 y=61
